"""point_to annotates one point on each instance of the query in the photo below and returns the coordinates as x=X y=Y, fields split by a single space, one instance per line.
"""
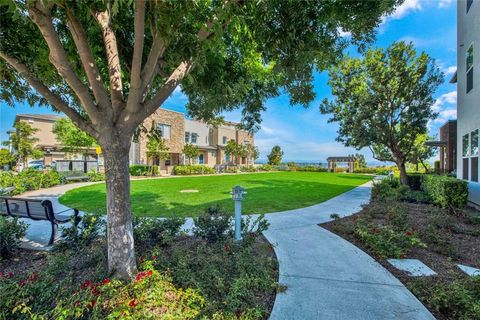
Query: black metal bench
x=36 y=209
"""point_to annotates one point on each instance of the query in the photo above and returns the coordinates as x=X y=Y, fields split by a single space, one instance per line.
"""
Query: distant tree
x=156 y=147
x=421 y=152
x=7 y=158
x=190 y=151
x=72 y=138
x=23 y=142
x=253 y=152
x=275 y=156
x=360 y=161
x=383 y=101
x=232 y=149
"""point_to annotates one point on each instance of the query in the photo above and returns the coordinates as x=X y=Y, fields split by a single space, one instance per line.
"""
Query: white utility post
x=238 y=194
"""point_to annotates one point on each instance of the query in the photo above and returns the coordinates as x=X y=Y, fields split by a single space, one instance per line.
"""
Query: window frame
x=194 y=138
x=161 y=130
x=469 y=5
x=187 y=137
x=468 y=68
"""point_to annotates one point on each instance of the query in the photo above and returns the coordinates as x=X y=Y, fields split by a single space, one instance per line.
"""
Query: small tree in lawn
x=275 y=156
x=232 y=149
x=7 y=158
x=360 y=161
x=72 y=138
x=23 y=142
x=191 y=152
x=253 y=152
x=108 y=65
x=383 y=101
x=421 y=152
x=156 y=147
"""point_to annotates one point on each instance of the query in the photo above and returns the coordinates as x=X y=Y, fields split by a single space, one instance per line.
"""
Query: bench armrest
x=75 y=214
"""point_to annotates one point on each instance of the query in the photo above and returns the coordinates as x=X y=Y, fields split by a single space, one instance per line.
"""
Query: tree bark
x=403 y=173
x=121 y=251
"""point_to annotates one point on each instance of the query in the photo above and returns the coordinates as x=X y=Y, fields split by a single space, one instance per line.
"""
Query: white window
x=225 y=140
x=469 y=65
x=164 y=130
x=194 y=137
x=187 y=137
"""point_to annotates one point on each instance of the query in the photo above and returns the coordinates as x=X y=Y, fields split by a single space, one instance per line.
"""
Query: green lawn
x=266 y=192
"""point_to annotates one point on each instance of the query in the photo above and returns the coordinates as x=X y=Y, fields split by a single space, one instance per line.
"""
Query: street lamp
x=238 y=194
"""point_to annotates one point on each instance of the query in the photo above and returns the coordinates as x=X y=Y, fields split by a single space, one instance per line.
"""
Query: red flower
x=149 y=273
x=105 y=281
x=154 y=257
x=10 y=274
x=86 y=284
x=409 y=233
x=92 y=303
x=132 y=303
x=95 y=291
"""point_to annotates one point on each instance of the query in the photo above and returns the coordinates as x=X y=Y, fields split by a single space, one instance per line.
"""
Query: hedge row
x=448 y=192
x=192 y=169
x=142 y=170
x=29 y=179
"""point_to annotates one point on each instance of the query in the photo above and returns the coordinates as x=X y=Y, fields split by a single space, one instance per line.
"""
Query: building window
x=474 y=161
x=474 y=143
x=465 y=151
x=246 y=142
x=469 y=4
x=200 y=159
x=194 y=137
x=164 y=130
x=465 y=169
x=469 y=60
x=225 y=140
x=187 y=137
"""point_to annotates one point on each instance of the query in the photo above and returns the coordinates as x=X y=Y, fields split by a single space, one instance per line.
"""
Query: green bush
x=311 y=169
x=385 y=241
x=82 y=233
x=149 y=232
x=30 y=179
x=7 y=179
x=385 y=188
x=192 y=170
x=447 y=192
x=11 y=232
x=415 y=181
x=248 y=169
x=459 y=299
x=143 y=170
x=265 y=167
x=94 y=176
x=373 y=170
x=213 y=225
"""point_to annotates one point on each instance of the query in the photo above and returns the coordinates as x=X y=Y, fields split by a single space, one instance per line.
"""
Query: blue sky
x=304 y=134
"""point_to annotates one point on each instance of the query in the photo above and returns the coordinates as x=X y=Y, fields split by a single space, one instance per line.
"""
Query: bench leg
x=52 y=236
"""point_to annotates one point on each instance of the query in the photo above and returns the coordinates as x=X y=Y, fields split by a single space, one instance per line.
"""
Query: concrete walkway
x=326 y=276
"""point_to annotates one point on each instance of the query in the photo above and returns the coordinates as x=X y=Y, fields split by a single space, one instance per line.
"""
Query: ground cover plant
x=404 y=223
x=266 y=192
x=180 y=276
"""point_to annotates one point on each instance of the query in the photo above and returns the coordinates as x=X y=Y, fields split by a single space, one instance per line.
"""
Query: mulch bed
x=460 y=243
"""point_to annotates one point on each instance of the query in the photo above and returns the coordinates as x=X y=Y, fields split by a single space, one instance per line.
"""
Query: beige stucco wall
x=45 y=135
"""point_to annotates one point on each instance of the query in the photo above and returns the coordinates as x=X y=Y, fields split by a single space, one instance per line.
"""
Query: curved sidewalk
x=329 y=278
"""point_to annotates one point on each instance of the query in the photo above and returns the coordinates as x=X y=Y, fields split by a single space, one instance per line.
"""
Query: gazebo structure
x=332 y=163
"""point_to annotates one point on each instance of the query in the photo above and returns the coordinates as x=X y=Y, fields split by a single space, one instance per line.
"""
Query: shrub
x=373 y=170
x=384 y=189
x=192 y=170
x=415 y=181
x=312 y=169
x=150 y=231
x=143 y=170
x=94 y=176
x=11 y=232
x=248 y=169
x=29 y=179
x=459 y=299
x=385 y=241
x=82 y=233
x=213 y=225
x=265 y=167
x=7 y=179
x=448 y=192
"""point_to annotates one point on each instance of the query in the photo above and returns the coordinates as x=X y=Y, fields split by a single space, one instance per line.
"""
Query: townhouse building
x=467 y=78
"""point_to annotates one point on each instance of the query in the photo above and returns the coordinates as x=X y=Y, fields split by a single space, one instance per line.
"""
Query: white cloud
x=448 y=71
x=343 y=33
x=445 y=115
x=444 y=3
x=404 y=9
x=446 y=98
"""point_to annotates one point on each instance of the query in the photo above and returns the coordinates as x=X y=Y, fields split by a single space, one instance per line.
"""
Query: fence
x=76 y=165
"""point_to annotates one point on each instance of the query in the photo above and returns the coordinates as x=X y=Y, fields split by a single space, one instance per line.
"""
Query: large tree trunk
x=403 y=173
x=121 y=251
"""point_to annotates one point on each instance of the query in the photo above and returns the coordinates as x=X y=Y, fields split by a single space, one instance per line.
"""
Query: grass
x=266 y=193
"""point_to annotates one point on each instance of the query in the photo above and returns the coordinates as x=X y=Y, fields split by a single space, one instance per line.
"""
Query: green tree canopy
x=71 y=137
x=360 y=161
x=23 y=142
x=109 y=64
x=7 y=158
x=420 y=152
x=275 y=156
x=383 y=101
x=156 y=147
x=190 y=151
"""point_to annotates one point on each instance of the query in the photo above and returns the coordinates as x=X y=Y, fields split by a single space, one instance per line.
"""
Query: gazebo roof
x=341 y=159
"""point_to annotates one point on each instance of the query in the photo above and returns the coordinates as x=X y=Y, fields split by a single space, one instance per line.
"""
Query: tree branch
x=151 y=66
x=136 y=91
x=114 y=69
x=78 y=34
x=41 y=17
x=51 y=97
